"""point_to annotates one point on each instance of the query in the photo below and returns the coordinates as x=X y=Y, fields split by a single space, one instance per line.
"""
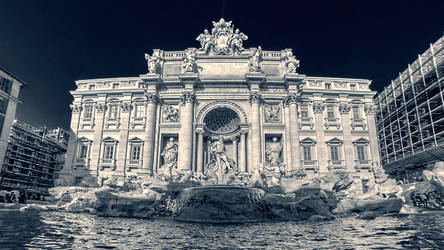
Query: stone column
x=66 y=172
x=125 y=108
x=236 y=161
x=254 y=80
x=151 y=82
x=294 y=131
x=292 y=81
x=200 y=151
x=148 y=146
x=369 y=111
x=256 y=151
x=242 y=159
x=186 y=132
x=344 y=109
x=98 y=118
x=287 y=141
x=318 y=110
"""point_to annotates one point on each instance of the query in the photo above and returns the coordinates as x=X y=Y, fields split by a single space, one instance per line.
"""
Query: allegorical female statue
x=273 y=152
x=169 y=155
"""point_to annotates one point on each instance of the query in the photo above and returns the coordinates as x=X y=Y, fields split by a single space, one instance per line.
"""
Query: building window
x=334 y=153
x=330 y=113
x=139 y=113
x=307 y=153
x=135 y=152
x=5 y=85
x=83 y=151
x=361 y=153
x=113 y=111
x=361 y=147
x=3 y=105
x=88 y=112
x=304 y=112
x=308 y=149
x=108 y=151
x=356 y=114
x=335 y=148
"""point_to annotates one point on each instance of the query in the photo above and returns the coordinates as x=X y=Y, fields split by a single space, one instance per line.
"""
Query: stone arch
x=219 y=104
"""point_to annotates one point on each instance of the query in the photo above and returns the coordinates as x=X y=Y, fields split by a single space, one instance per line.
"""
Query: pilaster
x=344 y=109
x=318 y=110
x=185 y=159
x=126 y=108
x=370 y=113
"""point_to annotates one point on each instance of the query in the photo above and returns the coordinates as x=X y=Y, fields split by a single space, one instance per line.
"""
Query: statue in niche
x=170 y=114
x=169 y=154
x=272 y=170
x=255 y=60
x=292 y=64
x=236 y=42
x=272 y=113
x=220 y=166
x=189 y=62
x=205 y=40
x=153 y=62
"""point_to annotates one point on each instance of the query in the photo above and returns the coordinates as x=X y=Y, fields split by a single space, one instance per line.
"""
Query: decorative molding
x=170 y=113
x=291 y=98
x=222 y=103
x=272 y=113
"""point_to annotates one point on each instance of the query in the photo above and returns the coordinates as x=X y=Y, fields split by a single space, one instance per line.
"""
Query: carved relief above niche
x=272 y=113
x=170 y=113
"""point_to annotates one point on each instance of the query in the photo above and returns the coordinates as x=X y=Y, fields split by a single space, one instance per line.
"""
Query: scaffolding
x=30 y=161
x=410 y=114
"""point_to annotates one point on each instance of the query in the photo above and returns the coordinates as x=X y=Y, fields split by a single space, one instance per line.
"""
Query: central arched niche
x=222 y=120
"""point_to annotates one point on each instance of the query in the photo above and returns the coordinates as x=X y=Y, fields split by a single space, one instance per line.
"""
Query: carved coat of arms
x=223 y=40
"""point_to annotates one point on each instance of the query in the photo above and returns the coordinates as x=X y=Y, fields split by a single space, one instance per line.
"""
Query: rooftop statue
x=223 y=40
x=255 y=64
x=189 y=62
x=154 y=62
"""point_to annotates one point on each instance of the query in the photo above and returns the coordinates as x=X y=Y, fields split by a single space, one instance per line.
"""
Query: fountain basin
x=221 y=204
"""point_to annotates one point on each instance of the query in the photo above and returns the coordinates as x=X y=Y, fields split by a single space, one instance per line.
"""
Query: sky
x=50 y=44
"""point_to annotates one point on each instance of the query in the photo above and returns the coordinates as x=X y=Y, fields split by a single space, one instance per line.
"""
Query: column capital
x=344 y=108
x=76 y=108
x=318 y=107
x=101 y=107
x=369 y=109
x=126 y=106
x=188 y=97
x=151 y=97
x=255 y=97
x=291 y=98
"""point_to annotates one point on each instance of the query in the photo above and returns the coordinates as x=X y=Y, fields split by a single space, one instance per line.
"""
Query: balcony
x=358 y=123
x=363 y=165
x=82 y=162
x=87 y=122
x=310 y=165
x=133 y=164
x=137 y=121
x=332 y=122
x=107 y=163
x=336 y=165
x=306 y=121
x=112 y=122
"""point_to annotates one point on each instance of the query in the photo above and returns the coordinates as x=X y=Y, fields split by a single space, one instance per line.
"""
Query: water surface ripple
x=59 y=230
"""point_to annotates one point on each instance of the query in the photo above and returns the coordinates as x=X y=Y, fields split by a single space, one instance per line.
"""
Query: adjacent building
x=9 y=93
x=251 y=99
x=410 y=116
x=30 y=161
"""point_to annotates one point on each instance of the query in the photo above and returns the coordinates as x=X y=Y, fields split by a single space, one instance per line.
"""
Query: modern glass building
x=410 y=116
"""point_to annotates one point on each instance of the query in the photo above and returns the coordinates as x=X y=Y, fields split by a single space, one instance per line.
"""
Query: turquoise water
x=59 y=230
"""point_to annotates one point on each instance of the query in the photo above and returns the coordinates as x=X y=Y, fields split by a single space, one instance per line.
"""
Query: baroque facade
x=220 y=104
x=410 y=117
